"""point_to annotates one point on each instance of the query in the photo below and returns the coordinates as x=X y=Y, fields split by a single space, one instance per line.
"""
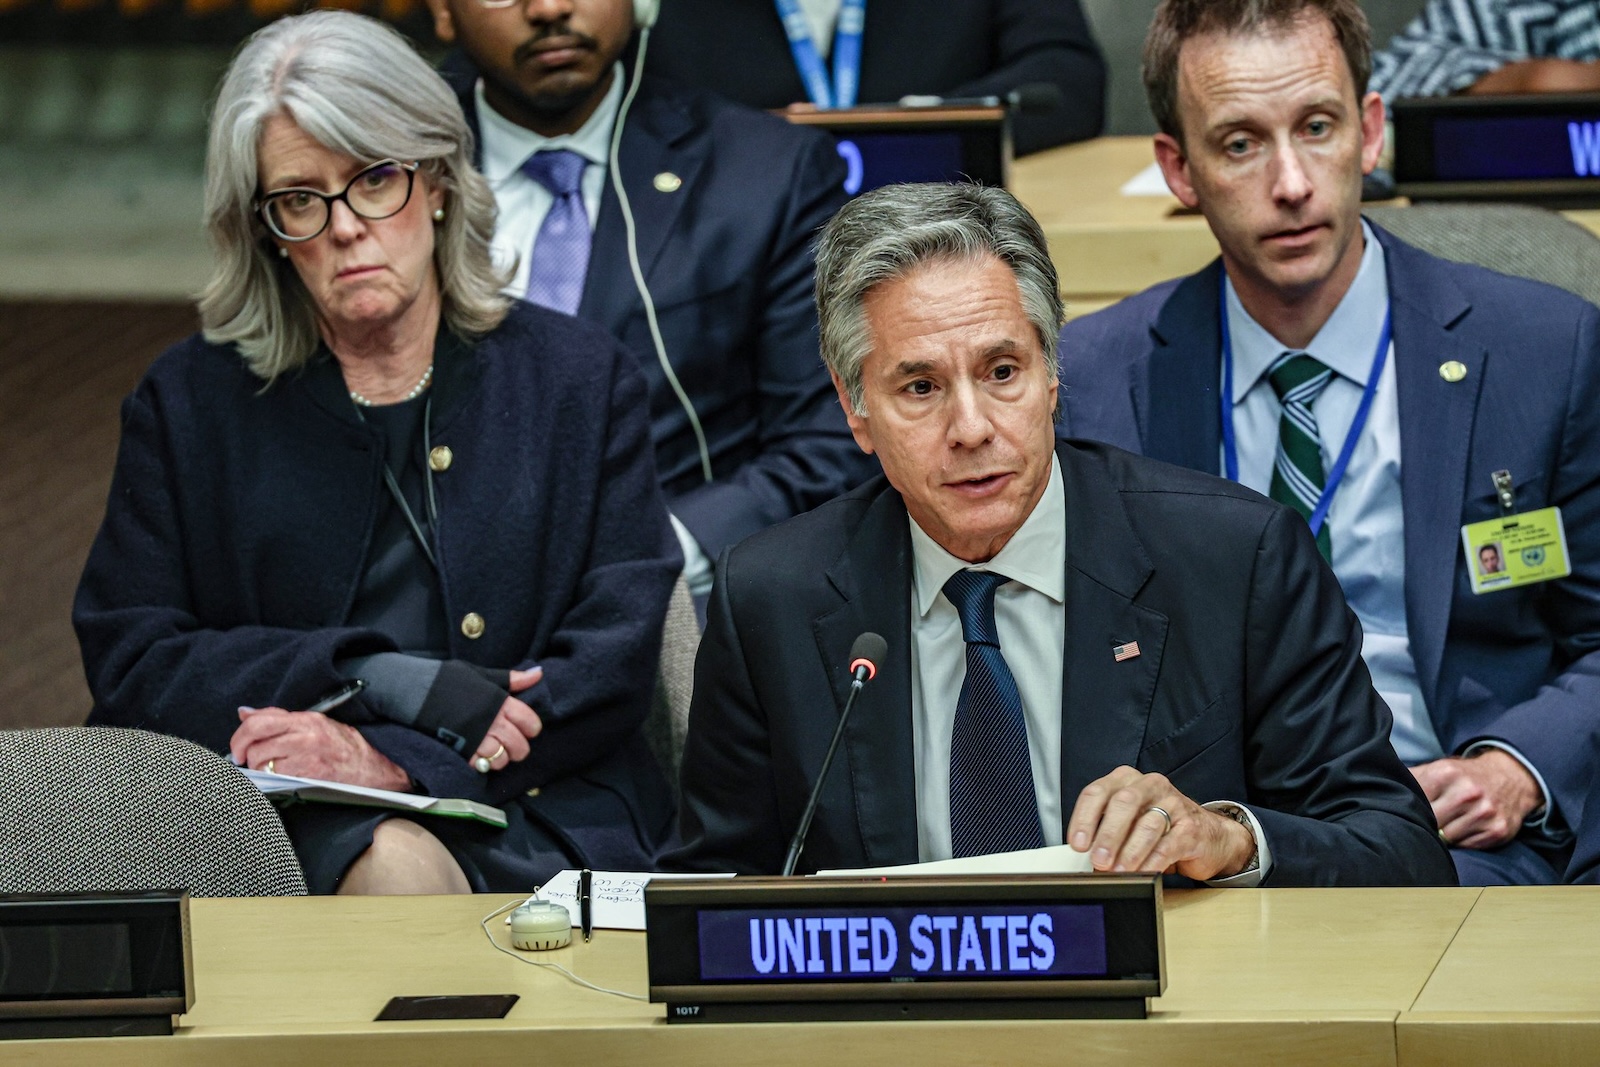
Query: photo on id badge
x=1516 y=550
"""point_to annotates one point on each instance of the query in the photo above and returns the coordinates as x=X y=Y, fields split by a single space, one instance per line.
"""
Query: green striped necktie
x=1297 y=474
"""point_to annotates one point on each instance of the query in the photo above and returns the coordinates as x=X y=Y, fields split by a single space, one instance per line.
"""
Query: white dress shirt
x=1030 y=617
x=822 y=16
x=523 y=204
x=1366 y=521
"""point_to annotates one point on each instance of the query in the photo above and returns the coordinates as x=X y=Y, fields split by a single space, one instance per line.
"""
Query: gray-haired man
x=1151 y=665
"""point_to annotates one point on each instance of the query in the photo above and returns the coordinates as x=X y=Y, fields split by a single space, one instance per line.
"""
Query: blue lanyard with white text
x=1230 y=451
x=842 y=90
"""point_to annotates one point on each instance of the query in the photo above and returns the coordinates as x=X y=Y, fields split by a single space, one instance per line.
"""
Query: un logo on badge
x=1533 y=557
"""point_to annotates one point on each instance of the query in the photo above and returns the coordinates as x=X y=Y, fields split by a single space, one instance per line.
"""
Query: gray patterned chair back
x=95 y=809
x=669 y=712
x=1519 y=239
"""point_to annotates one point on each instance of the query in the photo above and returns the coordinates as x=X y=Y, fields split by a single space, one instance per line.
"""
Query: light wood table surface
x=1520 y=984
x=1283 y=976
x=1107 y=246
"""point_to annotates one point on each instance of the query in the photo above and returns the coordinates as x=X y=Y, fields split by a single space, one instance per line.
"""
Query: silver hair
x=889 y=231
x=357 y=87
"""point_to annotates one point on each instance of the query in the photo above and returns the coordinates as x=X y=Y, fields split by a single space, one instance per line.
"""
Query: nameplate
x=94 y=964
x=905 y=947
x=1539 y=147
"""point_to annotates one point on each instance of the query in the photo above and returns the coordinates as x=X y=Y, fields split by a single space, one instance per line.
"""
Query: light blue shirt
x=1366 y=521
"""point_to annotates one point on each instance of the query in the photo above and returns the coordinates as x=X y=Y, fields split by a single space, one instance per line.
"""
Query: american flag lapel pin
x=1127 y=651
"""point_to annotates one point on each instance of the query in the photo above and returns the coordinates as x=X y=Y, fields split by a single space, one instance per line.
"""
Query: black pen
x=585 y=906
x=338 y=696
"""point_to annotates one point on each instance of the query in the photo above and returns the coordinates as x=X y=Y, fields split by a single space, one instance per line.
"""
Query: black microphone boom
x=866 y=654
x=1034 y=98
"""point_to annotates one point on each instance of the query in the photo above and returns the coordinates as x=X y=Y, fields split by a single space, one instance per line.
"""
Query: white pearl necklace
x=416 y=390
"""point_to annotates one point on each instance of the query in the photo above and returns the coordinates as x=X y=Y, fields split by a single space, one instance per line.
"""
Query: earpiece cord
x=548 y=966
x=633 y=260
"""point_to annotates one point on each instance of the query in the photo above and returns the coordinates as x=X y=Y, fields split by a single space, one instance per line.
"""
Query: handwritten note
x=617 y=896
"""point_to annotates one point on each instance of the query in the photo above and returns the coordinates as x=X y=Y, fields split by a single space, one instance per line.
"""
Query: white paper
x=1056 y=859
x=1148 y=182
x=617 y=897
x=288 y=783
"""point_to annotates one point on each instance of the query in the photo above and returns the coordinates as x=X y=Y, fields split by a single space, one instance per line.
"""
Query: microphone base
x=835 y=1011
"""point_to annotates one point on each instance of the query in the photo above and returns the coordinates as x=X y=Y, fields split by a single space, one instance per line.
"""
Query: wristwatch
x=1237 y=814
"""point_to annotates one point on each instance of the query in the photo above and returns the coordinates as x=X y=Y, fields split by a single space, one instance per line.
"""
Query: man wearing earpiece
x=725 y=202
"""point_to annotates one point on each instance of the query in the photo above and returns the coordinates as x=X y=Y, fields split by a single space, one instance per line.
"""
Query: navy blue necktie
x=993 y=807
x=560 y=260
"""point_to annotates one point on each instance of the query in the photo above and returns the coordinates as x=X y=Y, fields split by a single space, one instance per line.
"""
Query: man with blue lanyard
x=839 y=53
x=1413 y=410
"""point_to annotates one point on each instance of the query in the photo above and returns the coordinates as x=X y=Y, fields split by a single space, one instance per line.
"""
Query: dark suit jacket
x=1521 y=666
x=727 y=258
x=952 y=48
x=238 y=526
x=1249 y=686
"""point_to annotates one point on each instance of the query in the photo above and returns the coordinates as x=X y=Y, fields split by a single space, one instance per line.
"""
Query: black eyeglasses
x=298 y=214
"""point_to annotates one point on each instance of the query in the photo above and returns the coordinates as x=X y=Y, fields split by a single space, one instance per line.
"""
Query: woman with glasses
x=378 y=524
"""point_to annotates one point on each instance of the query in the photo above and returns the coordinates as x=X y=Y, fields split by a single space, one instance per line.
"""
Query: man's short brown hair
x=1176 y=21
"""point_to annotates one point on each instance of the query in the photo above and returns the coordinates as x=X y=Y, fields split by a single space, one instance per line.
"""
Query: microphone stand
x=798 y=842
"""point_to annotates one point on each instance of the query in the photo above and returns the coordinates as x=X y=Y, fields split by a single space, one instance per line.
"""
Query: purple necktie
x=560 y=259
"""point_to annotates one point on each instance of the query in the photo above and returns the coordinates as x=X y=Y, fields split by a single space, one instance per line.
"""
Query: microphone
x=865 y=654
x=1034 y=98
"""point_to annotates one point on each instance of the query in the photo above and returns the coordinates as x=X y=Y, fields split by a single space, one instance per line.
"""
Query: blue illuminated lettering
x=835 y=927
x=944 y=924
x=922 y=944
x=1017 y=943
x=885 y=945
x=1044 y=942
x=1585 y=140
x=996 y=925
x=814 y=964
x=791 y=947
x=854 y=170
x=763 y=960
x=971 y=948
x=858 y=945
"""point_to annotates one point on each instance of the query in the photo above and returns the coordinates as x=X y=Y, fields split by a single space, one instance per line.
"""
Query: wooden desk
x=1287 y=976
x=1519 y=984
x=1107 y=246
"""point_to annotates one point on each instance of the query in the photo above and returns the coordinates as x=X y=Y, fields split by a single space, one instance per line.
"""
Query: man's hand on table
x=1115 y=822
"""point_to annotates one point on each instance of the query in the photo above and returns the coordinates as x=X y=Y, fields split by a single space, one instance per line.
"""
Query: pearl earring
x=283 y=253
x=438 y=214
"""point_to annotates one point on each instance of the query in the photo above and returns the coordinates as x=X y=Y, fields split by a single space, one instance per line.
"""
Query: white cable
x=521 y=958
x=633 y=260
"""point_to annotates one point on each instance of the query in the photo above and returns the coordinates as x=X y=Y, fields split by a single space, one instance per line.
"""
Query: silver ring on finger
x=1164 y=815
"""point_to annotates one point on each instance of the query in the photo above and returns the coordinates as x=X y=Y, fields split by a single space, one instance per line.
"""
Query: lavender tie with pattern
x=560 y=260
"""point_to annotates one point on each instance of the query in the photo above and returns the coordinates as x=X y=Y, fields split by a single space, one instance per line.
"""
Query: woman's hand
x=515 y=725
x=309 y=745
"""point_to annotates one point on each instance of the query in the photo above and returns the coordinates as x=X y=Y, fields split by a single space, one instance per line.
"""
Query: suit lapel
x=1436 y=420
x=874 y=577
x=1177 y=405
x=655 y=140
x=1105 y=704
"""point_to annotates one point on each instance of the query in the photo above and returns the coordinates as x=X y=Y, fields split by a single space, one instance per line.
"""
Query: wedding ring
x=1163 y=813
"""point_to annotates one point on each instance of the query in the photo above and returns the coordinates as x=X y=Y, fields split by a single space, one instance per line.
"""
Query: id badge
x=1516 y=550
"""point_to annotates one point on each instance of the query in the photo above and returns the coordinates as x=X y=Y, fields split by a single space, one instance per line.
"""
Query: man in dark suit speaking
x=1085 y=646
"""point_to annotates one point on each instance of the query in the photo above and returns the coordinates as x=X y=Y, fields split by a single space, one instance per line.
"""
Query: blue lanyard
x=846 y=82
x=1230 y=450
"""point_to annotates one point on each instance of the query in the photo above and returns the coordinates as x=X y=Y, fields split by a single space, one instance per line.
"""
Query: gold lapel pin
x=667 y=182
x=1452 y=371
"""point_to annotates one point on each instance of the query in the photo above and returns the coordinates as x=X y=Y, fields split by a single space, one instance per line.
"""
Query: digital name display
x=903 y=943
x=1482 y=148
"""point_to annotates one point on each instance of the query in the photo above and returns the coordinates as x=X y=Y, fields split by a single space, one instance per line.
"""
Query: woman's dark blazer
x=240 y=518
